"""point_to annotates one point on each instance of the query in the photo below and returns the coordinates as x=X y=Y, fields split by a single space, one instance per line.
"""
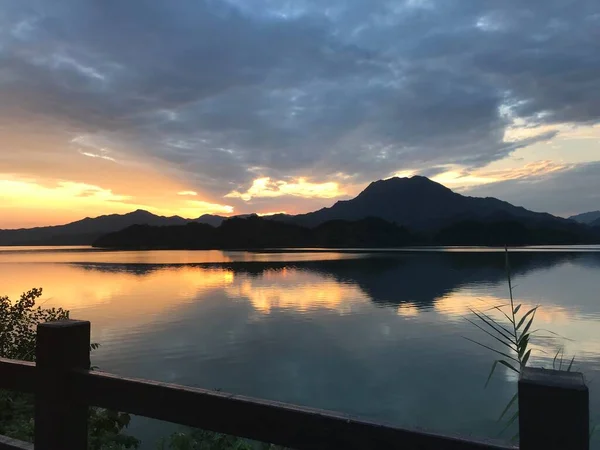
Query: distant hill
x=513 y=233
x=596 y=223
x=85 y=231
x=419 y=204
x=260 y=233
x=256 y=232
x=588 y=218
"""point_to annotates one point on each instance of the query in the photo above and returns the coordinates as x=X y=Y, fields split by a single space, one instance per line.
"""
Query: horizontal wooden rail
x=7 y=443
x=17 y=375
x=278 y=423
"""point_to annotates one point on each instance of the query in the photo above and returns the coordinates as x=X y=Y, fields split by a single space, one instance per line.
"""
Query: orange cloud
x=265 y=187
x=24 y=202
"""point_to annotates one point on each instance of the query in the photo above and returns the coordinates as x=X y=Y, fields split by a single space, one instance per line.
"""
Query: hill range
x=419 y=209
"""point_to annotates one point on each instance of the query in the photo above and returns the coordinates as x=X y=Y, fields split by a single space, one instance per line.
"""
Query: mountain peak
x=394 y=185
x=587 y=217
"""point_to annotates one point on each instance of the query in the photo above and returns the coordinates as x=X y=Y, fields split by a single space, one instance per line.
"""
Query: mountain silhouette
x=256 y=232
x=85 y=231
x=419 y=204
x=589 y=218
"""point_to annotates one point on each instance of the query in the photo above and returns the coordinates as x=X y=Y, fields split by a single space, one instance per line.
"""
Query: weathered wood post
x=60 y=420
x=553 y=410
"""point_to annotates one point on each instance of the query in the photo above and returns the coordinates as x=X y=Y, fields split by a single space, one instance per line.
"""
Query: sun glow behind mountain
x=301 y=107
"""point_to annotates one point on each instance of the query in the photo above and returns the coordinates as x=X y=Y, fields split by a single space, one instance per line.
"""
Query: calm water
x=378 y=335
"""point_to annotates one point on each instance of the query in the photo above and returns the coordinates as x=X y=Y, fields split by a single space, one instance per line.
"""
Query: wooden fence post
x=553 y=410
x=60 y=420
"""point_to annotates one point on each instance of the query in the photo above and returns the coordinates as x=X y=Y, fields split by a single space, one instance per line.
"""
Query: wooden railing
x=553 y=407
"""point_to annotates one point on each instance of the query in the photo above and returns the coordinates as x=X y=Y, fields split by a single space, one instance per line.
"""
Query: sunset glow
x=187 y=119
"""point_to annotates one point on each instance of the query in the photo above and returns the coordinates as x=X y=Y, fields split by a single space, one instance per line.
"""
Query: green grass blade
x=510 y=421
x=560 y=363
x=499 y=308
x=527 y=314
x=504 y=363
x=509 y=404
x=508 y=344
x=528 y=326
x=522 y=345
x=571 y=364
x=494 y=325
x=516 y=310
x=554 y=359
x=491 y=373
x=495 y=322
x=525 y=358
x=492 y=349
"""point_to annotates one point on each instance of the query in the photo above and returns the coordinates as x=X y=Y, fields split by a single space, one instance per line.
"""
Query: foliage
x=208 y=440
x=18 y=326
x=515 y=338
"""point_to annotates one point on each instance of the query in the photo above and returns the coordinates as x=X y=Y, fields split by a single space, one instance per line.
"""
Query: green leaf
x=499 y=308
x=504 y=363
x=494 y=325
x=509 y=404
x=492 y=349
x=522 y=345
x=525 y=358
x=528 y=325
x=527 y=314
x=554 y=360
x=508 y=344
x=498 y=361
x=516 y=310
x=491 y=373
x=510 y=421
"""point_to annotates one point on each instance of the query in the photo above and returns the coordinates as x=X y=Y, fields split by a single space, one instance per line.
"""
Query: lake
x=379 y=335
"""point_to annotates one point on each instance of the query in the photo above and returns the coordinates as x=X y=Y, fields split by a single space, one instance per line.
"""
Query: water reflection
x=378 y=335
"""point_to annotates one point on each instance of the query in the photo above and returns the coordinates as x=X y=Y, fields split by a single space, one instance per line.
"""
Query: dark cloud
x=223 y=92
x=563 y=193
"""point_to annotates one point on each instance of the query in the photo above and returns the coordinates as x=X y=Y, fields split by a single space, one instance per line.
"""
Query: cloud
x=94 y=155
x=564 y=192
x=195 y=208
x=29 y=191
x=458 y=178
x=190 y=193
x=264 y=187
x=208 y=92
x=272 y=213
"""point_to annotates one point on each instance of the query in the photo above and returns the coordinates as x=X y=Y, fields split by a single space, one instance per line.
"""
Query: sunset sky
x=233 y=106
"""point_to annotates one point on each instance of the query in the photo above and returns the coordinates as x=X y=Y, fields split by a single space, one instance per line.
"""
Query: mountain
x=260 y=233
x=513 y=233
x=588 y=218
x=419 y=204
x=596 y=223
x=85 y=231
x=210 y=219
x=256 y=232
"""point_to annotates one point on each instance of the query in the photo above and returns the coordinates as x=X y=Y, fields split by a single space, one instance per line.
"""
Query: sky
x=228 y=107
